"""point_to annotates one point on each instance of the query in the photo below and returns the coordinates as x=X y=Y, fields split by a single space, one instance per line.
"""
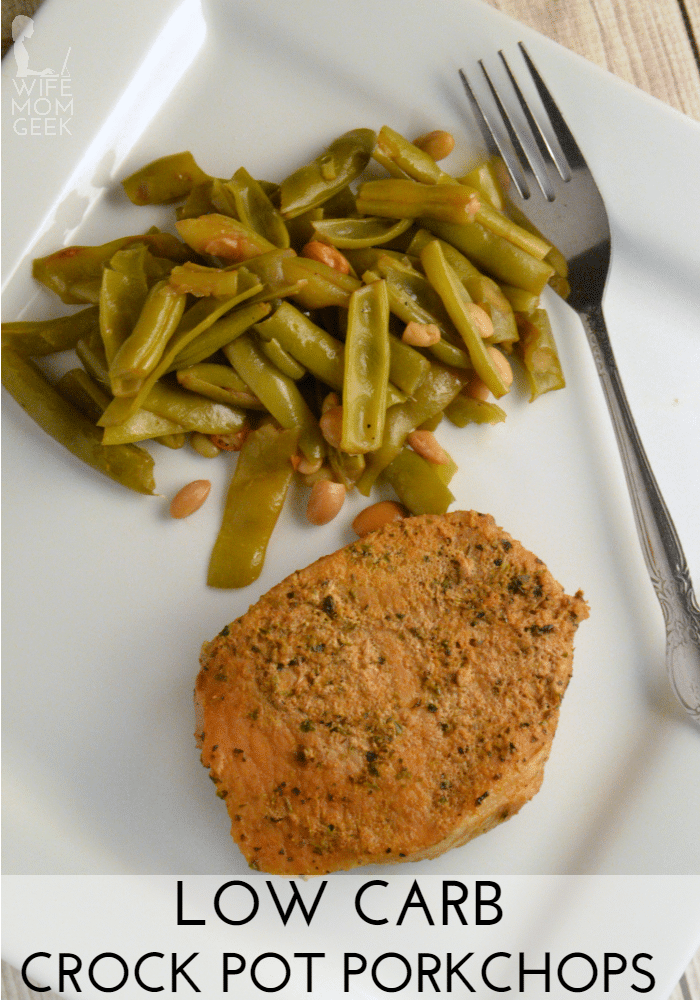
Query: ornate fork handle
x=659 y=540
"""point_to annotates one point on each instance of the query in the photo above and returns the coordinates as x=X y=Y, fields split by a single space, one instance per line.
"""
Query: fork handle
x=659 y=540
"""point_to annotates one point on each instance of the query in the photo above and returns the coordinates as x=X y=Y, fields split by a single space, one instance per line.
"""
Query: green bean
x=193 y=412
x=199 y=280
x=328 y=174
x=278 y=392
x=407 y=366
x=274 y=352
x=314 y=348
x=521 y=301
x=366 y=373
x=84 y=393
x=168 y=178
x=464 y=410
x=195 y=321
x=413 y=299
x=418 y=484
x=393 y=150
x=353 y=234
x=220 y=333
x=491 y=253
x=198 y=202
x=143 y=348
x=407 y=199
x=123 y=293
x=436 y=391
x=91 y=353
x=222 y=237
x=253 y=504
x=126 y=464
x=484 y=178
x=454 y=296
x=76 y=272
x=251 y=206
x=36 y=338
x=219 y=382
x=499 y=224
x=538 y=353
x=346 y=468
x=322 y=285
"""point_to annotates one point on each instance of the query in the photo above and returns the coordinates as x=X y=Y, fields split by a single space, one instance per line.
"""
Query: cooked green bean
x=84 y=393
x=36 y=338
x=322 y=285
x=538 y=353
x=143 y=348
x=273 y=350
x=454 y=295
x=464 y=410
x=418 y=484
x=407 y=366
x=195 y=321
x=491 y=253
x=220 y=333
x=199 y=280
x=123 y=294
x=392 y=150
x=126 y=464
x=222 y=237
x=193 y=412
x=75 y=273
x=366 y=374
x=253 y=504
x=436 y=391
x=251 y=206
x=394 y=198
x=329 y=173
x=168 y=178
x=278 y=392
x=353 y=234
x=219 y=382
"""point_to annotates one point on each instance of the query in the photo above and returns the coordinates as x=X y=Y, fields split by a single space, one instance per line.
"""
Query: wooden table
x=653 y=44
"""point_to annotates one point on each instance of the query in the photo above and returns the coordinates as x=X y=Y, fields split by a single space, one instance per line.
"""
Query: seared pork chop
x=389 y=702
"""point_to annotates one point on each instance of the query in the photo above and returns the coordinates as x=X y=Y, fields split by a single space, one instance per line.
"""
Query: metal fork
x=560 y=196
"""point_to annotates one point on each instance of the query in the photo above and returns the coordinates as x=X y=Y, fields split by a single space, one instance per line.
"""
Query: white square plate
x=105 y=803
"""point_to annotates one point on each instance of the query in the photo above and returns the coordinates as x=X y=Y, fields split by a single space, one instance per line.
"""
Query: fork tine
x=495 y=140
x=546 y=148
x=528 y=154
x=568 y=144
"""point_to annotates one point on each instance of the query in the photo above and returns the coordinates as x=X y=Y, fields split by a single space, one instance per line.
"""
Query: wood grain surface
x=652 y=44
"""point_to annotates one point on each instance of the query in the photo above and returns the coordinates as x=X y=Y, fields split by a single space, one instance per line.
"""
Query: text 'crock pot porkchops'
x=389 y=702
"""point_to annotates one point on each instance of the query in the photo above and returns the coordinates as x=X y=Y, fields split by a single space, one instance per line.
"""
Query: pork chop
x=389 y=702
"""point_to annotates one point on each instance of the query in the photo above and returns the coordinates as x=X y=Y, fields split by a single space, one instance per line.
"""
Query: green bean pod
x=143 y=348
x=436 y=391
x=366 y=375
x=126 y=464
x=274 y=352
x=454 y=295
x=329 y=173
x=464 y=410
x=220 y=333
x=219 y=382
x=538 y=353
x=84 y=393
x=36 y=338
x=484 y=178
x=418 y=484
x=278 y=392
x=254 y=208
x=322 y=285
x=75 y=273
x=199 y=280
x=166 y=179
x=316 y=350
x=195 y=321
x=123 y=293
x=223 y=237
x=407 y=199
x=393 y=150
x=193 y=412
x=354 y=234
x=407 y=366
x=501 y=259
x=253 y=504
